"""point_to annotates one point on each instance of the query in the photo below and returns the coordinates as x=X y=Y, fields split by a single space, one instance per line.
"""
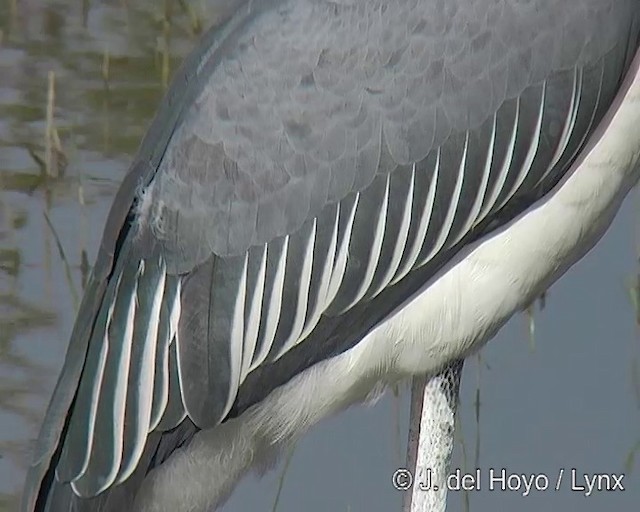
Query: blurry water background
x=79 y=83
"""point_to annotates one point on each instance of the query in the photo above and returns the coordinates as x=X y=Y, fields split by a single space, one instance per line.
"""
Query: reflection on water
x=79 y=82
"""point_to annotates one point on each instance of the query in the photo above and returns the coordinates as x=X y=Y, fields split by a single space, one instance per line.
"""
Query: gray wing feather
x=77 y=446
x=570 y=119
x=448 y=189
x=297 y=278
x=347 y=216
x=365 y=244
x=256 y=275
x=161 y=374
x=396 y=228
x=272 y=301
x=106 y=452
x=480 y=153
x=323 y=260
x=210 y=336
x=507 y=123
x=174 y=412
x=531 y=111
x=167 y=328
x=142 y=368
x=334 y=167
x=454 y=159
x=587 y=107
x=427 y=172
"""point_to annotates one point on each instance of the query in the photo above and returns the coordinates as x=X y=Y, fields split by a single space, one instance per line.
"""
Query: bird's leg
x=431 y=432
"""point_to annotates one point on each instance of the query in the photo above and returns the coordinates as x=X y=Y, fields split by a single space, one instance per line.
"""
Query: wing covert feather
x=287 y=124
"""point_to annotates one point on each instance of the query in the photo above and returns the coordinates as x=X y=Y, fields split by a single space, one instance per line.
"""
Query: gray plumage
x=313 y=163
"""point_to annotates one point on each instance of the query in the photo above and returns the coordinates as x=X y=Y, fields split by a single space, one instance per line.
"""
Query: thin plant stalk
x=49 y=138
x=283 y=474
x=65 y=262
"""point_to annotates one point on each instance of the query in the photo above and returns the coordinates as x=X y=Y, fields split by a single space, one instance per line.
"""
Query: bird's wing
x=312 y=163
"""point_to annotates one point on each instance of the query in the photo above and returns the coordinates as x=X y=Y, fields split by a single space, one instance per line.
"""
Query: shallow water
x=107 y=65
x=572 y=401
